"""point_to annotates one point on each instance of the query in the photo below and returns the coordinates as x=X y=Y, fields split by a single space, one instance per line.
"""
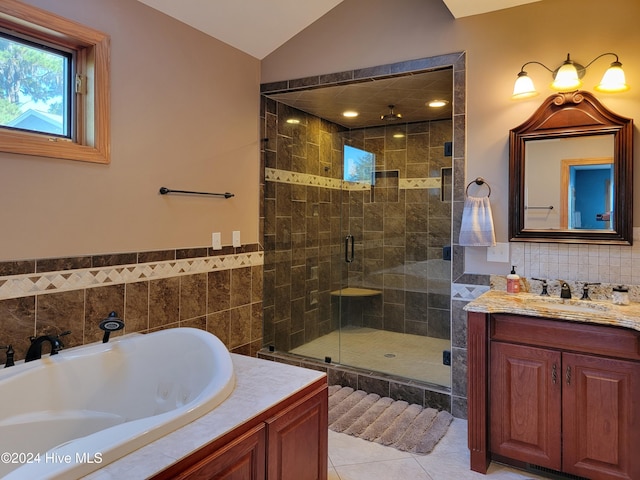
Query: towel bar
x=165 y=190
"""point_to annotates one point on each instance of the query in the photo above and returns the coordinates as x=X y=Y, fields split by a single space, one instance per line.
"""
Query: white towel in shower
x=477 y=223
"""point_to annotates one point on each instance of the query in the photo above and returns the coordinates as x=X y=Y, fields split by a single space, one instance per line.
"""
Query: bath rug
x=345 y=405
x=346 y=419
x=394 y=423
x=367 y=418
x=394 y=431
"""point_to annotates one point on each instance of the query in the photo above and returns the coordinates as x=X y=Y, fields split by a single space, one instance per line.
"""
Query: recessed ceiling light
x=398 y=135
x=293 y=121
x=437 y=103
x=350 y=114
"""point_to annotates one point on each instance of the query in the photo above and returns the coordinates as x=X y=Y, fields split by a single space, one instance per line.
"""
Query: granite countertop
x=260 y=384
x=534 y=305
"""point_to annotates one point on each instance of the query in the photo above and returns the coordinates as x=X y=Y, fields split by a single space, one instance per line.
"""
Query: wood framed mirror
x=571 y=173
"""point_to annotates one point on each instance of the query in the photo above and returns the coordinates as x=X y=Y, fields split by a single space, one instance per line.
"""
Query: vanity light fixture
x=437 y=103
x=566 y=78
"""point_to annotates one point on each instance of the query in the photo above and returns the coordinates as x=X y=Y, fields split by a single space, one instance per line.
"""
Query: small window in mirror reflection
x=359 y=165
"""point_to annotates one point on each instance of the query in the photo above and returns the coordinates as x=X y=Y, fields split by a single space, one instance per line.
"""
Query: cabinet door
x=297 y=440
x=242 y=459
x=525 y=402
x=601 y=404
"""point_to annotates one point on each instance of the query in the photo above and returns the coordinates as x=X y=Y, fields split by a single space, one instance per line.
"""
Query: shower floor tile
x=399 y=354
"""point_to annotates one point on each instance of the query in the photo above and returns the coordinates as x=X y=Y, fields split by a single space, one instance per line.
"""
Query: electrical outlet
x=499 y=253
x=236 y=238
x=216 y=242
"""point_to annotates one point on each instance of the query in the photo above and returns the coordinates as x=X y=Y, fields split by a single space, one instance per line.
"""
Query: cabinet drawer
x=567 y=335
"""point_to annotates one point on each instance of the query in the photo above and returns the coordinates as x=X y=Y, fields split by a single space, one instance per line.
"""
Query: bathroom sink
x=571 y=304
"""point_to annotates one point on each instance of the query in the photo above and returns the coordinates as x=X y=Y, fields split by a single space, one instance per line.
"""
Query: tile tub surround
x=220 y=291
x=259 y=385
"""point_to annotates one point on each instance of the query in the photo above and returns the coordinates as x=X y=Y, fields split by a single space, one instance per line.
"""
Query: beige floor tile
x=409 y=356
x=351 y=458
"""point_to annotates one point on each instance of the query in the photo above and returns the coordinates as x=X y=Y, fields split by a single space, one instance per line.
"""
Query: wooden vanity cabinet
x=556 y=394
x=287 y=442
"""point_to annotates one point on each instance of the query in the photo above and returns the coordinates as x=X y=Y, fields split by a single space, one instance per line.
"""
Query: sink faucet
x=544 y=292
x=35 y=349
x=585 y=290
x=565 y=290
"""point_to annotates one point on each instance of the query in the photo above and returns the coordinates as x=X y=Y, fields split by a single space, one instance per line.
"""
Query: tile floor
x=401 y=354
x=351 y=458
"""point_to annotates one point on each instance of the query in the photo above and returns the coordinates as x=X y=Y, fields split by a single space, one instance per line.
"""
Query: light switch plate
x=236 y=238
x=499 y=253
x=216 y=243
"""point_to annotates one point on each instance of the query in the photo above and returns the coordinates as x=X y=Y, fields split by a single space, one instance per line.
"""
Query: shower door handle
x=348 y=257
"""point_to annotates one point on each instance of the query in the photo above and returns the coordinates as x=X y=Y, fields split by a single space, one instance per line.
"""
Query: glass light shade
x=567 y=78
x=613 y=80
x=523 y=88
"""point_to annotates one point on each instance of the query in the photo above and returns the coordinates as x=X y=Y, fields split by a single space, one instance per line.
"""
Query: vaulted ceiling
x=258 y=27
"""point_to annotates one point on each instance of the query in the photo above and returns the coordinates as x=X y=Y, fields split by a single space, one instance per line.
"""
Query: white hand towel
x=477 y=223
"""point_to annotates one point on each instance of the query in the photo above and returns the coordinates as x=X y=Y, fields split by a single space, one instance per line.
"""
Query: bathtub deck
x=260 y=384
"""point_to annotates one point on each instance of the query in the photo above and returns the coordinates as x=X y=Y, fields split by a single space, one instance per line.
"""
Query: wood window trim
x=91 y=141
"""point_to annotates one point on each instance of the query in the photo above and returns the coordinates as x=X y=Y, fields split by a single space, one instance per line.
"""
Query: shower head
x=390 y=117
x=110 y=324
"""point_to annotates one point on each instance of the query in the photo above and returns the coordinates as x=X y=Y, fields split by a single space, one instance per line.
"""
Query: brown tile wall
x=304 y=227
x=227 y=303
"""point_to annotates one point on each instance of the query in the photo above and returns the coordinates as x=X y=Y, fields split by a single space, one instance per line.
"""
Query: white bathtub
x=70 y=414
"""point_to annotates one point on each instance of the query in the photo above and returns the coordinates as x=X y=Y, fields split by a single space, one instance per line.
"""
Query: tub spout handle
x=110 y=324
x=10 y=353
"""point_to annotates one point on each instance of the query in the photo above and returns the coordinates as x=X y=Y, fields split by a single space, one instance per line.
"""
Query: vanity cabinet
x=556 y=394
x=287 y=442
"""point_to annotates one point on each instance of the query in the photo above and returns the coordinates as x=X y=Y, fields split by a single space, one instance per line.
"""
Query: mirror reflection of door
x=587 y=194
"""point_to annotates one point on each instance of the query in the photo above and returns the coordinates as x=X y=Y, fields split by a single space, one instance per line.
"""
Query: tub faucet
x=10 y=362
x=35 y=350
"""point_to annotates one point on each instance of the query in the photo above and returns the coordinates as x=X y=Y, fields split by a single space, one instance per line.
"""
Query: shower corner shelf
x=356 y=292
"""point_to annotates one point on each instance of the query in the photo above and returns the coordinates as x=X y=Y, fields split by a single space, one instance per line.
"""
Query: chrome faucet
x=565 y=290
x=35 y=349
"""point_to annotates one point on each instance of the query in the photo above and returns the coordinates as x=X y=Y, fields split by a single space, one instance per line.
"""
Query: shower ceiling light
x=566 y=78
x=350 y=114
x=390 y=117
x=437 y=103
x=293 y=121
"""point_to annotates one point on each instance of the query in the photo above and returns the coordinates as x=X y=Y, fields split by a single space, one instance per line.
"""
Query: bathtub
x=68 y=415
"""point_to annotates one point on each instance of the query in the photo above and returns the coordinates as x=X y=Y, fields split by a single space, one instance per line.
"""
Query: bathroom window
x=35 y=86
x=359 y=165
x=54 y=86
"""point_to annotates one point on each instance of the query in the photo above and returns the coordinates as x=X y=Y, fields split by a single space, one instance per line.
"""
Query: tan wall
x=184 y=114
x=362 y=33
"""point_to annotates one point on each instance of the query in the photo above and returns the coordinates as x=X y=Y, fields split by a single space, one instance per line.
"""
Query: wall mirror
x=571 y=173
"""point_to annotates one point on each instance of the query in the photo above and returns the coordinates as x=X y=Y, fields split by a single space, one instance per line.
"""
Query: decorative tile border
x=467 y=292
x=17 y=286
x=285 y=176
